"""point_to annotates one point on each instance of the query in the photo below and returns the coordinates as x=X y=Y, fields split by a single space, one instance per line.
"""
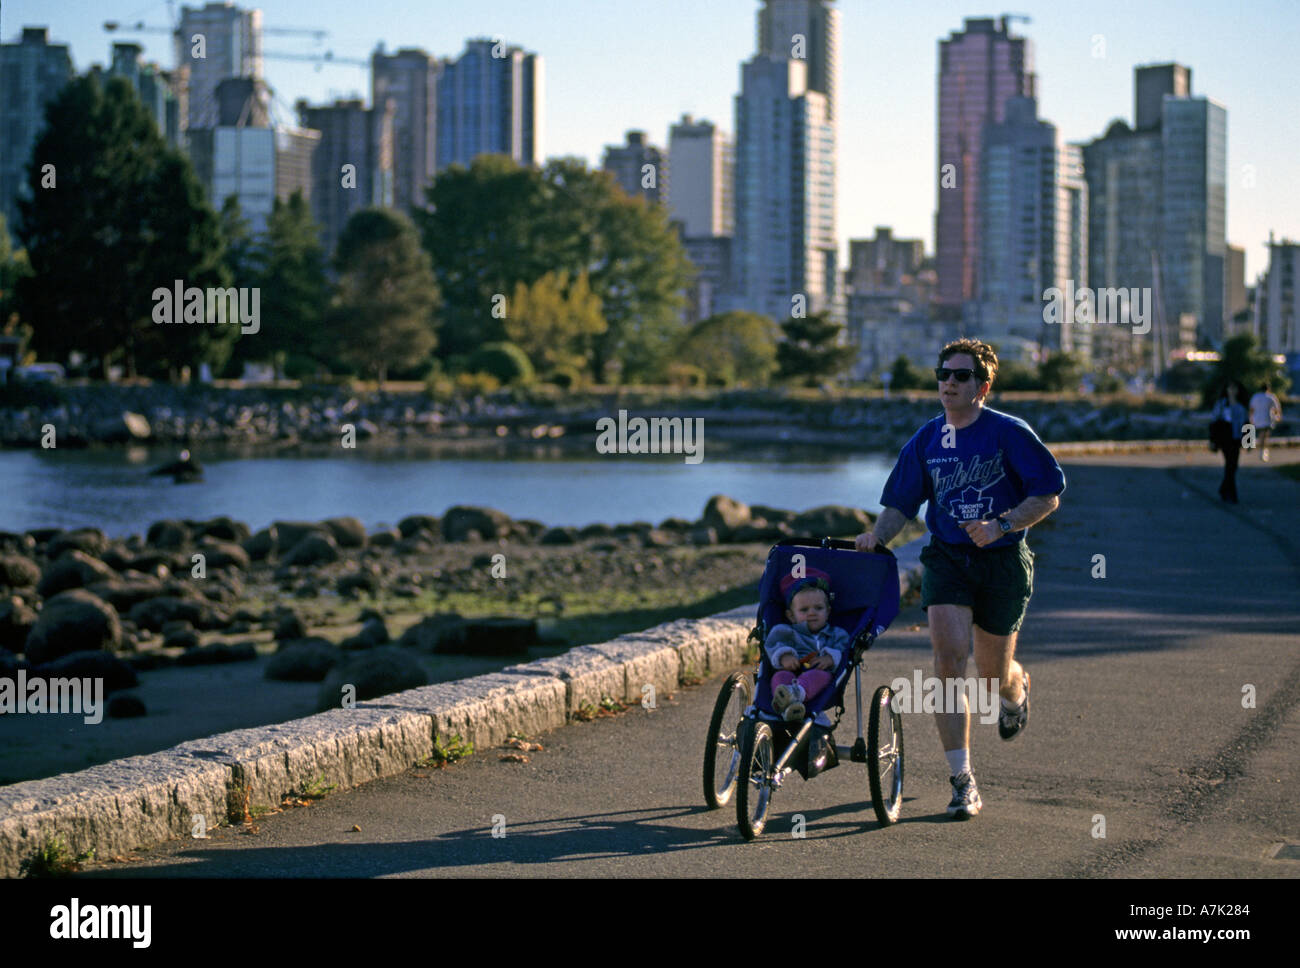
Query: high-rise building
x=1033 y=232
x=231 y=45
x=1194 y=176
x=639 y=167
x=883 y=263
x=155 y=87
x=701 y=159
x=1275 y=299
x=352 y=167
x=490 y=102
x=785 y=251
x=1151 y=82
x=1157 y=198
x=236 y=155
x=980 y=69
x=294 y=150
x=1235 y=301
x=32 y=72
x=410 y=77
x=808 y=30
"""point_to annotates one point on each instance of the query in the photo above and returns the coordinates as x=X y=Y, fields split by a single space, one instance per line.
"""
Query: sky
x=615 y=65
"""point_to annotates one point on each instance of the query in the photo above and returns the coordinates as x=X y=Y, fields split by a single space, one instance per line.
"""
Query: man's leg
x=950 y=628
x=995 y=659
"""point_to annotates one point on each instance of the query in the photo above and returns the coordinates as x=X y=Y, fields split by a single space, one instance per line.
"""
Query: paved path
x=1138 y=716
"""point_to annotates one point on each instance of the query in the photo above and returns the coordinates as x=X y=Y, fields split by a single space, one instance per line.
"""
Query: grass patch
x=316 y=789
x=54 y=859
x=444 y=754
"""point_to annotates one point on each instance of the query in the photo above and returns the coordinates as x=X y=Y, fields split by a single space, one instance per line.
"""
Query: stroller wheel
x=754 y=792
x=885 y=757
x=722 y=747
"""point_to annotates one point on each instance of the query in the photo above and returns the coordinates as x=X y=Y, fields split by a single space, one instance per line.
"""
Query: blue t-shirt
x=995 y=463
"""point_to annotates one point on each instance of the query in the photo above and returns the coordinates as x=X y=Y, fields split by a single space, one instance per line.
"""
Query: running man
x=987 y=478
x=1265 y=411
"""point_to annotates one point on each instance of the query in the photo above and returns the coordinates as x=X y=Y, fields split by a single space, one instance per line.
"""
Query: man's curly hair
x=986 y=361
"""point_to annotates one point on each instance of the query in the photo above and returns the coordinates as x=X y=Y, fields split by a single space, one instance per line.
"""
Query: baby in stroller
x=808 y=643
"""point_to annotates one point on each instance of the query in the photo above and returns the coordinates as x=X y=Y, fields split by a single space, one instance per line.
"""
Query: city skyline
x=888 y=159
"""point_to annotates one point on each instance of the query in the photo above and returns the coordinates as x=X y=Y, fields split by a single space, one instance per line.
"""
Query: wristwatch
x=1004 y=524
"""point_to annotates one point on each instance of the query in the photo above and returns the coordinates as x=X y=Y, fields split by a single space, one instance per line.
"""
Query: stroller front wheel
x=722 y=746
x=754 y=791
x=885 y=757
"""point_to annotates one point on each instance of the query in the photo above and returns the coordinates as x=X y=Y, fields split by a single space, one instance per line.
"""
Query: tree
x=811 y=352
x=506 y=362
x=1060 y=372
x=904 y=375
x=496 y=225
x=553 y=320
x=291 y=274
x=113 y=214
x=1244 y=360
x=383 y=311
x=733 y=347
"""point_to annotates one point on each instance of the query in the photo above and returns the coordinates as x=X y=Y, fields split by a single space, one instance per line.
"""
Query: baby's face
x=809 y=605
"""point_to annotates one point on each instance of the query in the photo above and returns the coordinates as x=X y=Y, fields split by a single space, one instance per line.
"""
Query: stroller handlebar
x=840 y=544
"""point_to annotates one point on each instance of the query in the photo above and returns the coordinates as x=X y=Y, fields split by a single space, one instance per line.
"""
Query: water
x=112 y=490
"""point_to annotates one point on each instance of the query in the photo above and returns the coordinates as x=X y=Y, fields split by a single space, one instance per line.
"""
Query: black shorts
x=994 y=583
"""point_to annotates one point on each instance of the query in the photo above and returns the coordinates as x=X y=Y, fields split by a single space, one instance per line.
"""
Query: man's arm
x=886 y=528
x=1032 y=510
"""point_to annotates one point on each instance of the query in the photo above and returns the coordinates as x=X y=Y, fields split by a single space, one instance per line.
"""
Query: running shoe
x=966 y=801
x=1011 y=722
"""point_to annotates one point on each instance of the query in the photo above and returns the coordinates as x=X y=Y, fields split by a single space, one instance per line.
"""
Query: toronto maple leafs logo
x=960 y=491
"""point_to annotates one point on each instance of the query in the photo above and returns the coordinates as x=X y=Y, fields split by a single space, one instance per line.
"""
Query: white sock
x=1010 y=706
x=958 y=761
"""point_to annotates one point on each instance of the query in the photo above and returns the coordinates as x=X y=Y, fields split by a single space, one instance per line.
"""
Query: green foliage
x=734 y=347
x=295 y=291
x=1014 y=376
x=686 y=375
x=53 y=859
x=126 y=215
x=383 y=312
x=811 y=352
x=454 y=749
x=317 y=789
x=1059 y=372
x=565 y=377
x=505 y=361
x=1245 y=361
x=496 y=225
x=554 y=320
x=904 y=375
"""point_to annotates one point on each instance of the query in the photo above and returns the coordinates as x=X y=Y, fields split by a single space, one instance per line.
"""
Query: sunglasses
x=942 y=373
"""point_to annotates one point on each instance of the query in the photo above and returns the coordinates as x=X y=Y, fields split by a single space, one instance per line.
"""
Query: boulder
x=289 y=533
x=225 y=554
x=222 y=529
x=347 y=532
x=18 y=543
x=44 y=535
x=74 y=569
x=527 y=529
x=724 y=515
x=657 y=538
x=760 y=530
x=90 y=541
x=73 y=621
x=596 y=530
x=771 y=515
x=702 y=536
x=219 y=653
x=493 y=636
x=169 y=535
x=116 y=673
x=199 y=612
x=560 y=536
x=378 y=672
x=289 y=626
x=384 y=539
x=126 y=706
x=158 y=564
x=313 y=549
x=16 y=621
x=413 y=523
x=365 y=578
x=373 y=633
x=304 y=660
x=183 y=637
x=435 y=633
x=831 y=520
x=489 y=523
x=117 y=556
x=261 y=545
x=18 y=571
x=675 y=524
x=122 y=593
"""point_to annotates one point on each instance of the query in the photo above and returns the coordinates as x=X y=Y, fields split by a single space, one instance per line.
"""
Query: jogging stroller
x=741 y=752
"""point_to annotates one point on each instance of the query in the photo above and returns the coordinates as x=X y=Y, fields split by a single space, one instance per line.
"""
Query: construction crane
x=140 y=27
x=1006 y=17
x=320 y=59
